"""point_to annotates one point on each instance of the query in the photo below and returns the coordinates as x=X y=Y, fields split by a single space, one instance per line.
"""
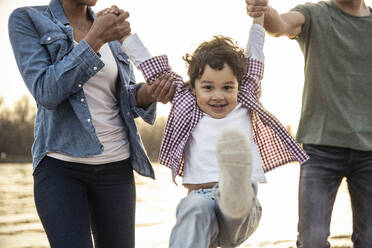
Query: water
x=156 y=204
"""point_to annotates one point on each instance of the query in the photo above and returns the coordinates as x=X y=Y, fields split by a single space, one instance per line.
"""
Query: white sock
x=235 y=160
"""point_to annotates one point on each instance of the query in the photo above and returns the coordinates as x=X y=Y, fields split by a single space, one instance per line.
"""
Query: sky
x=176 y=27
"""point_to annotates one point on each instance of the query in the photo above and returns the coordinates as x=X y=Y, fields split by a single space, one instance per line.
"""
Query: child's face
x=216 y=91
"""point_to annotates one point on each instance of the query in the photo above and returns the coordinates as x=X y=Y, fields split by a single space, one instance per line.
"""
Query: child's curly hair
x=215 y=53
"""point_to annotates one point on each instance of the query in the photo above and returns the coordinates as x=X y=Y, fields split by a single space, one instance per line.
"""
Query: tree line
x=16 y=130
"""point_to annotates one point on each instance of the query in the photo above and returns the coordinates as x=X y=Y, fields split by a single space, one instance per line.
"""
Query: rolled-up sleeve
x=148 y=114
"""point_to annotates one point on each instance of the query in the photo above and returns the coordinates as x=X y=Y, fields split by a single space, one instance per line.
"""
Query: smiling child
x=218 y=137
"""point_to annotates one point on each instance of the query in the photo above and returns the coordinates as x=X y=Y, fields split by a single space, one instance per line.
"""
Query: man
x=336 y=117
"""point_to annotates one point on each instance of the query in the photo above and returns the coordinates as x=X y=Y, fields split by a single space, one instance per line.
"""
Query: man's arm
x=287 y=24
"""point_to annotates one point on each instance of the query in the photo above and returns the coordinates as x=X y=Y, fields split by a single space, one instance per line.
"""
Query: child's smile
x=218 y=108
x=216 y=91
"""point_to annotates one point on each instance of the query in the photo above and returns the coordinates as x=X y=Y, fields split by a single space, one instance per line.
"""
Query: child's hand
x=259 y=20
x=255 y=8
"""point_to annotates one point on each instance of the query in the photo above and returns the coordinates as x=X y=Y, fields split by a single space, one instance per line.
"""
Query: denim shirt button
x=49 y=38
x=95 y=68
x=88 y=120
x=79 y=85
x=82 y=99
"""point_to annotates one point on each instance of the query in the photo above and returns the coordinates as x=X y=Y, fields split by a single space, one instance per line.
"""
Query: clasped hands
x=256 y=8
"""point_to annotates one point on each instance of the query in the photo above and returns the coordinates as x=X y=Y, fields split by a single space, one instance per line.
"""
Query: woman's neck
x=78 y=17
x=74 y=11
x=353 y=7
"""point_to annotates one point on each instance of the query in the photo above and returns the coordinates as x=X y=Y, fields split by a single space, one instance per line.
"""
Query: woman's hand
x=116 y=11
x=162 y=90
x=109 y=25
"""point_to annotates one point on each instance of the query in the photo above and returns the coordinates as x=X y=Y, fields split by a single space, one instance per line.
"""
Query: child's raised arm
x=256 y=39
x=160 y=84
x=254 y=52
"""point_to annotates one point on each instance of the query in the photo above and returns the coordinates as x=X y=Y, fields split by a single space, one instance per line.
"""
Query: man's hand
x=256 y=8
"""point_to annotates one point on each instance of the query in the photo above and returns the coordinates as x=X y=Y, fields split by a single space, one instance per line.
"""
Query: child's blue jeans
x=74 y=199
x=201 y=224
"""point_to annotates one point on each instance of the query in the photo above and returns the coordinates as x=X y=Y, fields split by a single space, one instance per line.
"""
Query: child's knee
x=196 y=206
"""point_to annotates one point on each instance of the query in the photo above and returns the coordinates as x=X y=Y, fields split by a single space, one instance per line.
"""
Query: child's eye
x=228 y=87
x=207 y=87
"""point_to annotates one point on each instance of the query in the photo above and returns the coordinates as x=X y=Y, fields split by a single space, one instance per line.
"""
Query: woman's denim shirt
x=55 y=71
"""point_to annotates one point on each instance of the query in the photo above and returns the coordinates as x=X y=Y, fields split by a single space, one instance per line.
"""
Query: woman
x=86 y=142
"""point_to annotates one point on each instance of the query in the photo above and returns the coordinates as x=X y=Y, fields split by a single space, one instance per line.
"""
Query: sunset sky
x=175 y=27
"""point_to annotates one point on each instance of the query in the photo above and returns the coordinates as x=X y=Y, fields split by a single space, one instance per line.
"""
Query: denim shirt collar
x=58 y=13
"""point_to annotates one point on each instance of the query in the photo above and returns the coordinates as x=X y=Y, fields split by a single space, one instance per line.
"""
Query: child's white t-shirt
x=201 y=165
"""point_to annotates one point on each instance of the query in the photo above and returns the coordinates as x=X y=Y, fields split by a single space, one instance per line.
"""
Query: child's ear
x=193 y=91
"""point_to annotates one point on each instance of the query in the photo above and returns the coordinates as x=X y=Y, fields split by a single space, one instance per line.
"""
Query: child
x=219 y=138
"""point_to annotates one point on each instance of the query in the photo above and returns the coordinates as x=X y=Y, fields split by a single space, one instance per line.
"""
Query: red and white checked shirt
x=275 y=145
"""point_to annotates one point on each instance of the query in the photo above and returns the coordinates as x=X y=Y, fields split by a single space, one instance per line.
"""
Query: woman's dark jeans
x=74 y=199
x=320 y=179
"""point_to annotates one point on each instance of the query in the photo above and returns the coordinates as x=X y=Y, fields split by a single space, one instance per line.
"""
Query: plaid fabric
x=275 y=145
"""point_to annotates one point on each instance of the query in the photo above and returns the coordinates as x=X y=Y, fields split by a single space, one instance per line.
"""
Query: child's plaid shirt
x=275 y=145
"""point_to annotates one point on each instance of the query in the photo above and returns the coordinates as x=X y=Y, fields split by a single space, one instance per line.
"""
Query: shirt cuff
x=135 y=49
x=256 y=42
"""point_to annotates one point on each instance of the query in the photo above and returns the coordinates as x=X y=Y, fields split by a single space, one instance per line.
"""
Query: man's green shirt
x=337 y=95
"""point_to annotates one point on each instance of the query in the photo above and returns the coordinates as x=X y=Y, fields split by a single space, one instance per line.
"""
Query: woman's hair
x=215 y=53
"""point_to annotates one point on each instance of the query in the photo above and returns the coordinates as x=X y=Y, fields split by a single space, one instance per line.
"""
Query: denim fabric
x=201 y=224
x=55 y=71
x=72 y=198
x=320 y=178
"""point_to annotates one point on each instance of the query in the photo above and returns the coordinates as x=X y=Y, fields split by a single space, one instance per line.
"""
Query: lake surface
x=155 y=211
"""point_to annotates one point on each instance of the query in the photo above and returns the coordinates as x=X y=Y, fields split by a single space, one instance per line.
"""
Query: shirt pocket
x=57 y=44
x=123 y=58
